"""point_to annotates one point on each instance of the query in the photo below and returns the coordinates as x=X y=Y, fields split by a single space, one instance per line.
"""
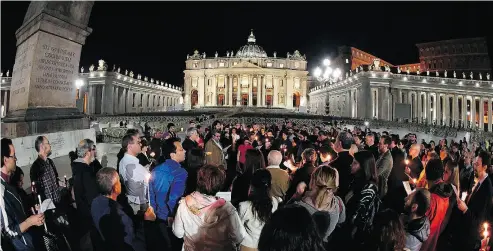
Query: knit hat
x=434 y=169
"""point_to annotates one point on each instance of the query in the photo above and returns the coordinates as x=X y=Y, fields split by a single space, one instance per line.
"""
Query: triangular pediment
x=245 y=64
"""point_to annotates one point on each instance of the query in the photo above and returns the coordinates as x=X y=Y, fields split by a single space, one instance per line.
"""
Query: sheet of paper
x=407 y=186
x=46 y=205
x=225 y=195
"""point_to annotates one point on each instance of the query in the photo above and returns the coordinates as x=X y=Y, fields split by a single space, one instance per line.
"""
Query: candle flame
x=414 y=181
x=485 y=226
x=406 y=161
x=152 y=154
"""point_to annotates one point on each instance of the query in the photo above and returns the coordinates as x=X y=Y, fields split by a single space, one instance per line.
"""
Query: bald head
x=274 y=158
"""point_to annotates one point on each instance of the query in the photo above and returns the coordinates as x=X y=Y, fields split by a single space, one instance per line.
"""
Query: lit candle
x=44 y=223
x=463 y=196
x=407 y=162
x=152 y=154
x=66 y=183
x=182 y=129
x=414 y=180
x=148 y=178
x=266 y=140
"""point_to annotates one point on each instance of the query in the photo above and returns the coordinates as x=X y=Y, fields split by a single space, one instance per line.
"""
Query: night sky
x=153 y=38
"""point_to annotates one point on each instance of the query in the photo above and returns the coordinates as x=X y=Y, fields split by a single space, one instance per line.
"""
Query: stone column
x=438 y=108
x=289 y=81
x=481 y=113
x=490 y=115
x=214 y=90
x=473 y=112
x=103 y=100
x=238 y=93
x=91 y=97
x=275 y=81
x=201 y=91
x=124 y=101
x=259 y=91
x=455 y=107
x=464 y=111
x=250 y=90
x=226 y=90
x=447 y=111
x=230 y=93
x=427 y=106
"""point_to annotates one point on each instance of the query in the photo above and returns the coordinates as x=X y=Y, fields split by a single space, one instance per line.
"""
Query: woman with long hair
x=322 y=201
x=362 y=202
x=253 y=162
x=388 y=232
x=451 y=175
x=257 y=210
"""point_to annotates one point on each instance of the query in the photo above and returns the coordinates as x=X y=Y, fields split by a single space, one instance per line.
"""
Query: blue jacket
x=166 y=186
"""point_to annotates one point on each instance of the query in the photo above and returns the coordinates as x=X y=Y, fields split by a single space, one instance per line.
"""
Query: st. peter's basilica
x=248 y=77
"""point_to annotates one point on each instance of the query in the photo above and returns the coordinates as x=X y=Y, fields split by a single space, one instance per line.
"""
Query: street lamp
x=78 y=83
x=326 y=73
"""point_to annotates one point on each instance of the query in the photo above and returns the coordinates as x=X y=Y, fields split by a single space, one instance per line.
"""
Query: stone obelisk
x=49 y=44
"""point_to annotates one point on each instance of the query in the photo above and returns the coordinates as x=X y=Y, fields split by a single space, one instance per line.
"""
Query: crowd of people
x=255 y=187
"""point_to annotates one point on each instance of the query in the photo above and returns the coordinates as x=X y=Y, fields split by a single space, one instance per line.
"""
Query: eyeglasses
x=15 y=157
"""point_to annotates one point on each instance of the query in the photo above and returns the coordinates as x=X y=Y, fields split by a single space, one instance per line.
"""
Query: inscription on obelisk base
x=42 y=94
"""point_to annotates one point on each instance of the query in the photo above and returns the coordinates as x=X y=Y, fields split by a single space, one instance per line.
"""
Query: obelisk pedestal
x=42 y=95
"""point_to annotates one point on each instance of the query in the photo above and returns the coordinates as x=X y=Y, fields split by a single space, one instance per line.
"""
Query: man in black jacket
x=477 y=206
x=343 y=162
x=371 y=146
x=194 y=158
x=85 y=189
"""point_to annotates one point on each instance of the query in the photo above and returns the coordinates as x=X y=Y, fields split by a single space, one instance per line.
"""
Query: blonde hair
x=323 y=181
x=454 y=174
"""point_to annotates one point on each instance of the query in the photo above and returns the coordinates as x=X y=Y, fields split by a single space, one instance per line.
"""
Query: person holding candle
x=133 y=173
x=477 y=206
x=15 y=223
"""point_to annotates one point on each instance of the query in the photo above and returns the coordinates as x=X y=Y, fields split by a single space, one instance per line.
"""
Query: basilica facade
x=245 y=78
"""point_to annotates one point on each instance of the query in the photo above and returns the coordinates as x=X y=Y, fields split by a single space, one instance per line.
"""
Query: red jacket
x=437 y=213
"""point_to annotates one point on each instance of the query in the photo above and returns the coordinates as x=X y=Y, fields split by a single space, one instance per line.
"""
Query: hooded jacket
x=417 y=232
x=333 y=209
x=207 y=223
x=441 y=203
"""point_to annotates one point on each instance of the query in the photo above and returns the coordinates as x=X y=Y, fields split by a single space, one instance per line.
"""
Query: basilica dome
x=251 y=50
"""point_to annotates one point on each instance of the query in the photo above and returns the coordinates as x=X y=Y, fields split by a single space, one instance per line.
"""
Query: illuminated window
x=269 y=64
x=210 y=65
x=235 y=63
x=194 y=65
x=281 y=65
x=221 y=64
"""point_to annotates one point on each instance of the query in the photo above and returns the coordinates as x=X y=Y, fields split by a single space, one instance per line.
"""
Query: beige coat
x=214 y=154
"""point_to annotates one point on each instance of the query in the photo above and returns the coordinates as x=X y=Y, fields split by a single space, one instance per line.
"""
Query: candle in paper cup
x=152 y=154
x=406 y=162
x=414 y=180
x=208 y=153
